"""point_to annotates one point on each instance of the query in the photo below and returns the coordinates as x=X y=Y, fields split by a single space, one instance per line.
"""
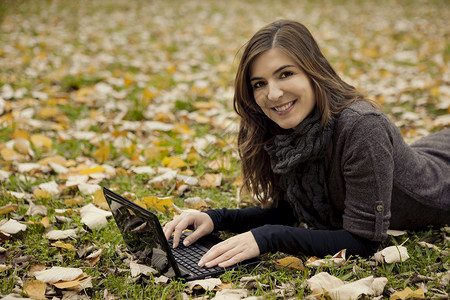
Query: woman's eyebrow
x=274 y=72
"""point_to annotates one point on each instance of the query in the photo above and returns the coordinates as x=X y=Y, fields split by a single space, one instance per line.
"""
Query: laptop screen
x=140 y=233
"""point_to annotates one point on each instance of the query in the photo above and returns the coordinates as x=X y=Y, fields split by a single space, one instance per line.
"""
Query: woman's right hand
x=199 y=221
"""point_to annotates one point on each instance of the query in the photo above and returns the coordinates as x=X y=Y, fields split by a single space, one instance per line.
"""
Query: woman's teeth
x=284 y=107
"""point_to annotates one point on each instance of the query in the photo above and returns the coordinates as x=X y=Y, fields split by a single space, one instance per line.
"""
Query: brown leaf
x=8 y=208
x=35 y=289
x=290 y=262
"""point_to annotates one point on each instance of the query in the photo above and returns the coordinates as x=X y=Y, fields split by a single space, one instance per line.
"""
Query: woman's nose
x=274 y=92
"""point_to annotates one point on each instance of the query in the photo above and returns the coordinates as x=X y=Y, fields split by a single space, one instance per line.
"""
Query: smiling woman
x=281 y=88
x=317 y=152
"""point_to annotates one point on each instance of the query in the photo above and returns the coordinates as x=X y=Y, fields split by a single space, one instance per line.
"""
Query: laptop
x=144 y=238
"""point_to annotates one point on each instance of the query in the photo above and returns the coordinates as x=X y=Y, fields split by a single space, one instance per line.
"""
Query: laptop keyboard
x=188 y=257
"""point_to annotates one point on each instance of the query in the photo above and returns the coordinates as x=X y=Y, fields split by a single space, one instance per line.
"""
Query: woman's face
x=281 y=88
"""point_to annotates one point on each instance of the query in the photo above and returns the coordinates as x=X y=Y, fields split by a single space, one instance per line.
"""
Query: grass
x=61 y=48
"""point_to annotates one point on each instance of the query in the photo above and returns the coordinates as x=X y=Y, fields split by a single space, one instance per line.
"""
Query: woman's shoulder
x=363 y=114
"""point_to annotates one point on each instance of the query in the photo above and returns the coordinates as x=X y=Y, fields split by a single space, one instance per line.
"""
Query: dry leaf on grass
x=93 y=216
x=78 y=284
x=60 y=244
x=407 y=293
x=62 y=234
x=8 y=208
x=206 y=284
x=325 y=284
x=12 y=227
x=290 y=262
x=161 y=204
x=56 y=274
x=392 y=254
x=231 y=294
x=137 y=269
x=88 y=189
x=195 y=203
x=35 y=289
x=336 y=261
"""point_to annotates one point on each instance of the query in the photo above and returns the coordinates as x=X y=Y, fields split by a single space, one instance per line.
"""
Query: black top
x=273 y=231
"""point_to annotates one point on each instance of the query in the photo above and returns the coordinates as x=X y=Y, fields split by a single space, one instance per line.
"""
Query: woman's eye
x=257 y=85
x=286 y=74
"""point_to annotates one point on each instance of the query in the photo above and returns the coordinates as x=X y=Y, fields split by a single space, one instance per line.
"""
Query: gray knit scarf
x=299 y=162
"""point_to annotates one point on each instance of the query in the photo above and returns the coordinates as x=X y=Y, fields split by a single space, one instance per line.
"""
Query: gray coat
x=377 y=181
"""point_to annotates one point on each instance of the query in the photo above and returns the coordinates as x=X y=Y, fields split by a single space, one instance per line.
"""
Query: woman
x=316 y=151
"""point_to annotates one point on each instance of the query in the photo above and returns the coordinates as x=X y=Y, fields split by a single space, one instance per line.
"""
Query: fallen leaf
x=99 y=200
x=41 y=142
x=407 y=293
x=206 y=284
x=8 y=208
x=59 y=244
x=324 y=284
x=210 y=180
x=195 y=203
x=62 y=234
x=41 y=194
x=173 y=162
x=97 y=169
x=230 y=294
x=11 y=155
x=88 y=189
x=392 y=254
x=51 y=187
x=36 y=210
x=12 y=227
x=78 y=284
x=56 y=274
x=94 y=257
x=217 y=164
x=35 y=289
x=336 y=261
x=93 y=216
x=290 y=262
x=137 y=269
x=101 y=154
x=161 y=204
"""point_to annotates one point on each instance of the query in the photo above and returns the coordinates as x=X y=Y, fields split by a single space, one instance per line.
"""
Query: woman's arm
x=241 y=220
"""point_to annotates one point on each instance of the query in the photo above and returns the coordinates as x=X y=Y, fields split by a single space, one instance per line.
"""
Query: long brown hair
x=331 y=93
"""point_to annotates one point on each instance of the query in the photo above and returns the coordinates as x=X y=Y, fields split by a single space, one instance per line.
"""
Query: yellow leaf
x=152 y=153
x=290 y=262
x=20 y=134
x=41 y=194
x=101 y=154
x=48 y=112
x=220 y=163
x=45 y=222
x=97 y=169
x=210 y=180
x=59 y=244
x=74 y=201
x=173 y=162
x=41 y=141
x=161 y=204
x=141 y=204
x=22 y=145
x=73 y=284
x=408 y=294
x=35 y=289
x=183 y=129
x=8 y=208
x=99 y=200
x=10 y=155
x=57 y=159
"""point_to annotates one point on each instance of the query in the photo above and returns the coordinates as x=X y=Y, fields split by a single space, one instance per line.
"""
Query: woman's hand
x=199 y=221
x=231 y=251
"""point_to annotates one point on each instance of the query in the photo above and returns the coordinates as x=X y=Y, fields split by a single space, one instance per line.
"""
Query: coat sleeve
x=368 y=168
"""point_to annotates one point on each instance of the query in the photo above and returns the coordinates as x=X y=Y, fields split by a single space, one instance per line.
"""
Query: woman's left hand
x=231 y=251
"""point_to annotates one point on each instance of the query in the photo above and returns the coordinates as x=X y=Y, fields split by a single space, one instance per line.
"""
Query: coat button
x=379 y=207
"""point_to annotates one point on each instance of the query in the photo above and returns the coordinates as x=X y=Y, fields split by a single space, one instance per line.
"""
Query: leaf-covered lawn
x=137 y=96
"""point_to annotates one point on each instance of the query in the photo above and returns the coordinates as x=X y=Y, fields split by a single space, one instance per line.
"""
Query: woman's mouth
x=284 y=107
